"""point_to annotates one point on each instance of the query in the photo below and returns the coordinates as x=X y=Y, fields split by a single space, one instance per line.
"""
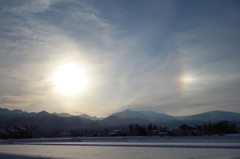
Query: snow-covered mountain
x=63 y=114
x=146 y=115
x=215 y=115
x=94 y=118
x=128 y=116
x=5 y=111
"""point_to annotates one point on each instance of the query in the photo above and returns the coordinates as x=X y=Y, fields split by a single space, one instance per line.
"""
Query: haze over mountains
x=215 y=115
x=133 y=116
x=147 y=115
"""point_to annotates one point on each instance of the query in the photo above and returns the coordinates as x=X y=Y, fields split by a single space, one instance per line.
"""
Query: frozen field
x=225 y=147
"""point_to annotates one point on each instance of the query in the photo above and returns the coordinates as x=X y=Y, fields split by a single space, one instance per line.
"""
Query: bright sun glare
x=70 y=79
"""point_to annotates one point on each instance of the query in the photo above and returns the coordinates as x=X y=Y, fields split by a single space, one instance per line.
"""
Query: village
x=218 y=128
x=209 y=129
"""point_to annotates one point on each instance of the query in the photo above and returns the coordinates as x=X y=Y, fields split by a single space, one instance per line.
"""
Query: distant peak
x=84 y=115
x=128 y=110
x=218 y=111
x=43 y=113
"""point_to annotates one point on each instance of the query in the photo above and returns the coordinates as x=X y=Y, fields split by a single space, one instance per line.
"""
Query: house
x=165 y=131
x=186 y=127
x=186 y=130
x=118 y=132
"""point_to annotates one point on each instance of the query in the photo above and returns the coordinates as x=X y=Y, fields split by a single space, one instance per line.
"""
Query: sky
x=98 y=57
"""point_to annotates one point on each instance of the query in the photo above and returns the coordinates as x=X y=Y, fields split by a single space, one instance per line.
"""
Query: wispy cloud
x=134 y=54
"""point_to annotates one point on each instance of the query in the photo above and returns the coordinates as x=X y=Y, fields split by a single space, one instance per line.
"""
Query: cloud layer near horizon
x=176 y=57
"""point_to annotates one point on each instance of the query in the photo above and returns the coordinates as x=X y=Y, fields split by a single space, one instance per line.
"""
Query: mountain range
x=56 y=121
x=151 y=116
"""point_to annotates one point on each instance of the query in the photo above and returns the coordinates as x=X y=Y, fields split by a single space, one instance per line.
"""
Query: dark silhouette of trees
x=155 y=127
x=150 y=128
x=137 y=130
x=220 y=127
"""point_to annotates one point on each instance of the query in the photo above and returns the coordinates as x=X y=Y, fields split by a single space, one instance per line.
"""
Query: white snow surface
x=207 y=147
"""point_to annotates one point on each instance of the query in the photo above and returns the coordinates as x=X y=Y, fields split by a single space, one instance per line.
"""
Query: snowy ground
x=221 y=147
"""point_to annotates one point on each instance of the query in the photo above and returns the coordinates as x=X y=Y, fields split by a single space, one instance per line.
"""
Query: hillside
x=216 y=115
x=146 y=115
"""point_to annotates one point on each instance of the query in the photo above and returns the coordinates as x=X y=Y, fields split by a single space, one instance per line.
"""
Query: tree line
x=208 y=128
x=220 y=127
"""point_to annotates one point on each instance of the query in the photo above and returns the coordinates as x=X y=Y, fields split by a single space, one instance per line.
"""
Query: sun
x=70 y=79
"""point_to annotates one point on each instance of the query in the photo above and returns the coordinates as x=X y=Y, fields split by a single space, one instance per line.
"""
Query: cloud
x=32 y=46
x=133 y=61
x=26 y=6
x=208 y=51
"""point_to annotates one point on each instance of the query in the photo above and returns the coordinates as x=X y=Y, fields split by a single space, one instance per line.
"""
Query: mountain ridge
x=150 y=116
x=214 y=115
x=146 y=115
